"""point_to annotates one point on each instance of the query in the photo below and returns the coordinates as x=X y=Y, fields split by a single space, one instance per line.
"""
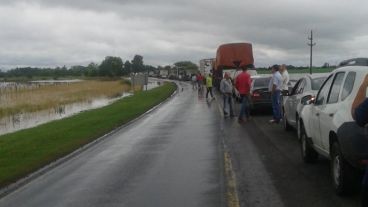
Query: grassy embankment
x=35 y=97
x=306 y=70
x=28 y=150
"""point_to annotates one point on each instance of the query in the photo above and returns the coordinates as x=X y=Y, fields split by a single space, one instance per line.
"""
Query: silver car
x=292 y=106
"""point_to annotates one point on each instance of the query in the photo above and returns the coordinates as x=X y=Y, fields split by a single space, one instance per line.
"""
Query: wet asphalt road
x=269 y=169
x=171 y=157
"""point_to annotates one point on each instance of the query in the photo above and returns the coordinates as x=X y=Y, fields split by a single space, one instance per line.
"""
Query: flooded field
x=25 y=105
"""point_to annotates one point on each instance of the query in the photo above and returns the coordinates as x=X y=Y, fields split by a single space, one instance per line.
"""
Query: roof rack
x=354 y=61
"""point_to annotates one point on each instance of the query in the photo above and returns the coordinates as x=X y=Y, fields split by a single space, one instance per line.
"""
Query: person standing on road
x=285 y=82
x=242 y=84
x=209 y=85
x=194 y=82
x=285 y=78
x=226 y=88
x=359 y=111
x=200 y=81
x=275 y=88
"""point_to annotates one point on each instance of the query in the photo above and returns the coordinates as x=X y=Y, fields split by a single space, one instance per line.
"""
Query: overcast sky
x=71 y=32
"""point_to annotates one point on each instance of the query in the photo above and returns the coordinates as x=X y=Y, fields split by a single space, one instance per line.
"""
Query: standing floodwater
x=26 y=105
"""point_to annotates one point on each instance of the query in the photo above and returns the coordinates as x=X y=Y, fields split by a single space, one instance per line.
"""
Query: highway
x=176 y=156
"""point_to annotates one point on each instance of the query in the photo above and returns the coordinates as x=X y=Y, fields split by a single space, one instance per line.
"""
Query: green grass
x=305 y=70
x=25 y=151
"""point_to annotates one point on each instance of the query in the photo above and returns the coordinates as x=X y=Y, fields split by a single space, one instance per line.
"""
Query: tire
x=309 y=155
x=298 y=130
x=286 y=125
x=344 y=176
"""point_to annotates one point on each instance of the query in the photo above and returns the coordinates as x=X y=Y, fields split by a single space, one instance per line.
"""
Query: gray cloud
x=51 y=32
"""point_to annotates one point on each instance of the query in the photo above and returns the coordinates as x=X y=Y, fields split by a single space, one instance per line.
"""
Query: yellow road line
x=231 y=189
x=232 y=195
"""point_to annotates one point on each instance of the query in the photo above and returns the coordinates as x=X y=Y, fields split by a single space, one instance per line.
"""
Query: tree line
x=110 y=67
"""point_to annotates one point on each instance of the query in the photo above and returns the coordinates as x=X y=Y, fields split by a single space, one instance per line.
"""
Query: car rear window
x=261 y=82
x=317 y=83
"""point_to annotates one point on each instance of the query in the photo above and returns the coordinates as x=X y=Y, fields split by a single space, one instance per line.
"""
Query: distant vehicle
x=206 y=66
x=164 y=73
x=260 y=94
x=230 y=57
x=292 y=106
x=327 y=127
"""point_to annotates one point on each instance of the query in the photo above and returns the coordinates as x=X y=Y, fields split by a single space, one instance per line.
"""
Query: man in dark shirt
x=359 y=111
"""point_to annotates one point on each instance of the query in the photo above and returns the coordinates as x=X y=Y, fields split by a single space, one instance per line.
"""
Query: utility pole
x=311 y=44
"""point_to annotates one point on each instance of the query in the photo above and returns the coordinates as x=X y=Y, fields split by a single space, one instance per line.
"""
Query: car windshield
x=261 y=82
x=317 y=82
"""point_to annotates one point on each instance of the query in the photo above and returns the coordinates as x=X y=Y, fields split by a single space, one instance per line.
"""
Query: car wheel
x=286 y=125
x=309 y=155
x=344 y=176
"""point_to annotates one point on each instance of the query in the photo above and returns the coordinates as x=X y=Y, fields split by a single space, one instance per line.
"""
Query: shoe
x=240 y=120
x=232 y=115
x=273 y=121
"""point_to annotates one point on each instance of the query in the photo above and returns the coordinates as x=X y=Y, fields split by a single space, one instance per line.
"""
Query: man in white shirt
x=285 y=78
x=276 y=87
x=226 y=88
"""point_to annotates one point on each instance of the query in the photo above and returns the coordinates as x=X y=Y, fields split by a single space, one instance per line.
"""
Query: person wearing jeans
x=243 y=83
x=226 y=89
x=275 y=88
x=245 y=106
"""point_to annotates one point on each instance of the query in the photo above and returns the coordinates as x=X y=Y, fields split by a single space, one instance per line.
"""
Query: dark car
x=260 y=94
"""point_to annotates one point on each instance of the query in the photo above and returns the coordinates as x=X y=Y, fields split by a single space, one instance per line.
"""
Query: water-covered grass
x=34 y=97
x=25 y=151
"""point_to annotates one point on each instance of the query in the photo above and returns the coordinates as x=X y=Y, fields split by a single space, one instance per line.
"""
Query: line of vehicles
x=318 y=107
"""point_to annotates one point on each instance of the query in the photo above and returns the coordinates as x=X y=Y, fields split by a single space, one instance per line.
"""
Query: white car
x=292 y=106
x=327 y=128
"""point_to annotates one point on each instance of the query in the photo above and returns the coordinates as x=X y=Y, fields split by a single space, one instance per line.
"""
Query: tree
x=92 y=69
x=325 y=65
x=127 y=68
x=137 y=64
x=111 y=66
x=186 y=66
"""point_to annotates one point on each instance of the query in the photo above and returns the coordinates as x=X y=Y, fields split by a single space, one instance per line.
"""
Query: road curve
x=171 y=157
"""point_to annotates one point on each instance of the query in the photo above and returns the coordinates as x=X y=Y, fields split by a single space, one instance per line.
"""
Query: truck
x=164 y=73
x=206 y=66
x=231 y=58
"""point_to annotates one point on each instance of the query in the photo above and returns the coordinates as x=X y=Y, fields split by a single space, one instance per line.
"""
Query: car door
x=299 y=95
x=290 y=101
x=318 y=106
x=327 y=113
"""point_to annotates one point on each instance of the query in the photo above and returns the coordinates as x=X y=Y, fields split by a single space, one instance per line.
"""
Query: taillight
x=364 y=162
x=255 y=94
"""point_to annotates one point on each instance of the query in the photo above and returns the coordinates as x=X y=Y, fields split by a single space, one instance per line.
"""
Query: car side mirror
x=307 y=100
